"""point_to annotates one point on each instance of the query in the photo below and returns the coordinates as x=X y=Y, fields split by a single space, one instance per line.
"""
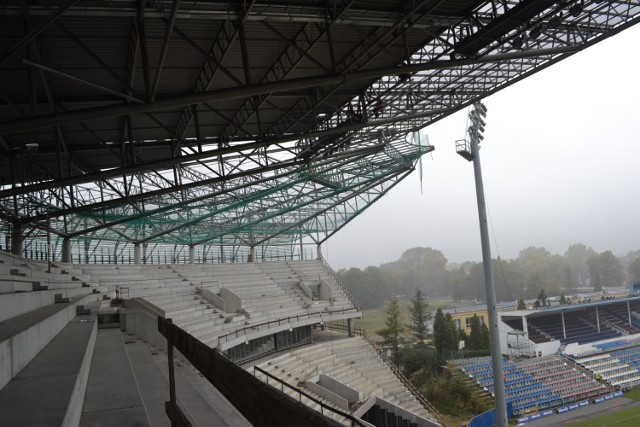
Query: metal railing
x=397 y=372
x=406 y=381
x=344 y=289
x=259 y=403
x=279 y=322
x=323 y=406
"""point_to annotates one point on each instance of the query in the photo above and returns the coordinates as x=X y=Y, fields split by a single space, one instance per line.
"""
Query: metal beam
x=168 y=162
x=16 y=126
x=36 y=31
x=79 y=80
x=165 y=46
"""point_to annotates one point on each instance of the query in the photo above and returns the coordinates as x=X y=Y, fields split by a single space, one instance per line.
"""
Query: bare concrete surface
x=39 y=395
x=15 y=325
x=112 y=397
x=200 y=401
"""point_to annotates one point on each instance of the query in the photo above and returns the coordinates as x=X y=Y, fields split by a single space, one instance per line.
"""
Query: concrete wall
x=18 y=350
x=306 y=289
x=324 y=291
x=232 y=302
x=548 y=348
x=12 y=305
x=137 y=320
x=339 y=401
x=421 y=422
x=333 y=390
x=74 y=410
x=213 y=299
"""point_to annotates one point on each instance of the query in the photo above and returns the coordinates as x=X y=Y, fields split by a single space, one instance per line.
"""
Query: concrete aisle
x=112 y=397
x=200 y=401
x=39 y=395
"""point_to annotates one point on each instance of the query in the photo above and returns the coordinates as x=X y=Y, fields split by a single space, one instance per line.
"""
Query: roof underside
x=257 y=122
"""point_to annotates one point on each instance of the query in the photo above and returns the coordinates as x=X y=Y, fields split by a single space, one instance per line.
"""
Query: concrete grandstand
x=169 y=171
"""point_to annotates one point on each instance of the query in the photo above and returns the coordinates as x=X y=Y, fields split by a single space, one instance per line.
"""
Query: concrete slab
x=15 y=325
x=112 y=397
x=153 y=387
x=39 y=395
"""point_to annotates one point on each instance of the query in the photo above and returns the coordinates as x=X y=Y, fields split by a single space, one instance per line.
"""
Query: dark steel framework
x=254 y=123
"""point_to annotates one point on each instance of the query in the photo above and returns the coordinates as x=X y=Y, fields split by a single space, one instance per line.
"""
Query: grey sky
x=561 y=165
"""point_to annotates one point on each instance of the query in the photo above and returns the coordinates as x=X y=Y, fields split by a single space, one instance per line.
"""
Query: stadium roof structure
x=247 y=123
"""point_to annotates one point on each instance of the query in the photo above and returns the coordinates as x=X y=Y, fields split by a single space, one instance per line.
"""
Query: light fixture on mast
x=470 y=150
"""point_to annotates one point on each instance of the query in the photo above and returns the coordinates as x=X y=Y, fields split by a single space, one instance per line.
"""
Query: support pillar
x=136 y=253
x=87 y=245
x=252 y=254
x=66 y=250
x=192 y=254
x=597 y=318
x=629 y=313
x=319 y=251
x=16 y=240
x=350 y=328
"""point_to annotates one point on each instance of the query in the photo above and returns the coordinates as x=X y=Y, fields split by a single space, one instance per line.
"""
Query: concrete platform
x=42 y=393
x=112 y=397
x=128 y=386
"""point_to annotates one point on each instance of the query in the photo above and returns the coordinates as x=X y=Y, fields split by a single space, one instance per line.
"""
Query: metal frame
x=247 y=143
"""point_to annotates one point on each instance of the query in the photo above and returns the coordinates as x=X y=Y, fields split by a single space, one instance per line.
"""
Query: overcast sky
x=560 y=161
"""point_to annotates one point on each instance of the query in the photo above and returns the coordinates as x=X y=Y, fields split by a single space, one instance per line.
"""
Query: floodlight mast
x=469 y=149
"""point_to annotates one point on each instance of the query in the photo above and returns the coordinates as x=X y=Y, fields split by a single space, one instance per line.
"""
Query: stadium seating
x=617 y=362
x=350 y=361
x=538 y=383
x=578 y=326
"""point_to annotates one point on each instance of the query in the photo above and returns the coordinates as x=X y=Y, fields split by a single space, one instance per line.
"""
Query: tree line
x=421 y=355
x=534 y=269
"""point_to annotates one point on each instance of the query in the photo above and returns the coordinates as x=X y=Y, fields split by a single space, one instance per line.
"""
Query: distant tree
x=392 y=332
x=595 y=272
x=576 y=256
x=521 y=304
x=535 y=283
x=542 y=298
x=634 y=270
x=420 y=316
x=444 y=332
x=424 y=268
x=611 y=270
x=563 y=300
x=457 y=287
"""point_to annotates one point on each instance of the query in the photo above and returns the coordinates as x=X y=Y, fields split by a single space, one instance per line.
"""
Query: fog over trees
x=535 y=269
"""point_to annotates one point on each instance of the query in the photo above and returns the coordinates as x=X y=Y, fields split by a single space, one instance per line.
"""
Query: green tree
x=445 y=335
x=521 y=305
x=419 y=315
x=478 y=338
x=563 y=300
x=542 y=298
x=392 y=332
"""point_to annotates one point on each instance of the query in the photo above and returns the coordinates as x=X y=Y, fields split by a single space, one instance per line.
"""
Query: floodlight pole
x=496 y=354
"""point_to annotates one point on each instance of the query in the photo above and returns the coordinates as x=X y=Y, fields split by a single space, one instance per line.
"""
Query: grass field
x=625 y=418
